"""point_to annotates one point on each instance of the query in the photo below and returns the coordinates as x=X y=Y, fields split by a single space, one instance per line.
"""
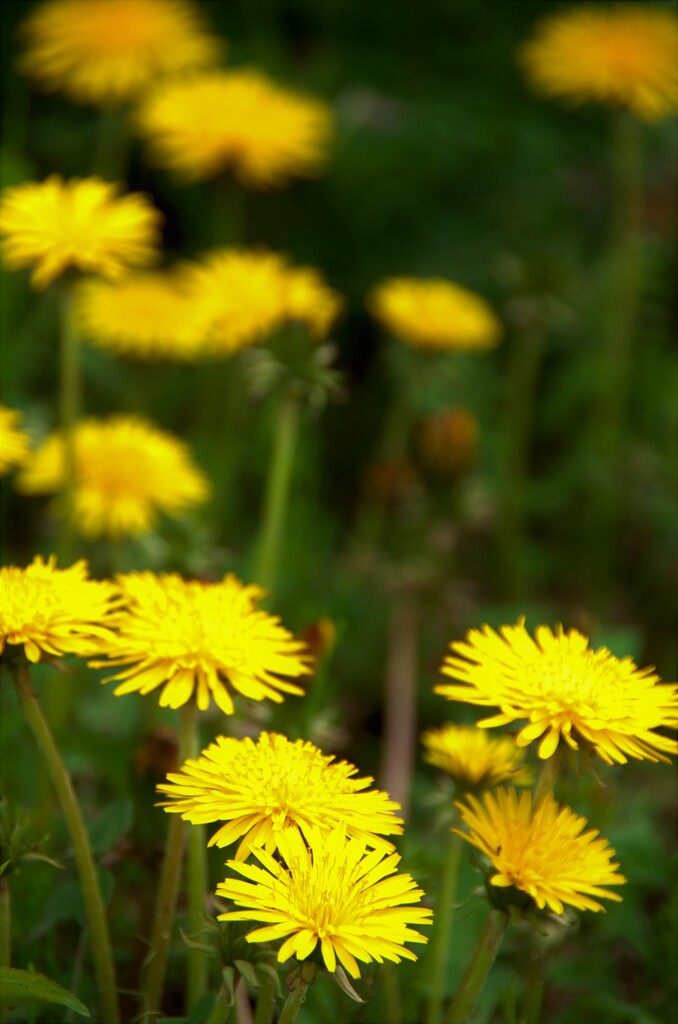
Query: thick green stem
x=277 y=492
x=228 y=221
x=392 y=995
x=547 y=779
x=481 y=962
x=112 y=154
x=265 y=1003
x=304 y=977
x=442 y=929
x=70 y=388
x=400 y=701
x=5 y=932
x=102 y=956
x=197 y=869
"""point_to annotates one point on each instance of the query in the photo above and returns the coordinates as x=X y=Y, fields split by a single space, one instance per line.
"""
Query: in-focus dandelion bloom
x=542 y=850
x=565 y=690
x=334 y=893
x=106 y=52
x=624 y=55
x=14 y=442
x=235 y=120
x=55 y=224
x=474 y=759
x=193 y=638
x=144 y=316
x=127 y=472
x=261 y=788
x=434 y=315
x=54 y=611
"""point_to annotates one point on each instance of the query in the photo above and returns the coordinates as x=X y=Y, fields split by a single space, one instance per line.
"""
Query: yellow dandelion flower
x=55 y=224
x=434 y=315
x=474 y=759
x=542 y=850
x=311 y=301
x=127 y=471
x=190 y=638
x=54 y=611
x=145 y=316
x=565 y=690
x=238 y=120
x=333 y=893
x=624 y=55
x=261 y=788
x=109 y=51
x=14 y=442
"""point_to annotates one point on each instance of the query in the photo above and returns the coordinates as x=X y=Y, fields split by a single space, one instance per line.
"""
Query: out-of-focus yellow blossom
x=474 y=759
x=14 y=442
x=311 y=301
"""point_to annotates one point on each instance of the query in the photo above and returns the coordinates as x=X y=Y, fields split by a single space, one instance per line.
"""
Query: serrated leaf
x=20 y=987
x=111 y=825
x=341 y=978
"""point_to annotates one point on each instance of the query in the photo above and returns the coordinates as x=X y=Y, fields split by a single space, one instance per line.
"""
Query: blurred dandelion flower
x=542 y=850
x=434 y=315
x=566 y=691
x=145 y=316
x=311 y=301
x=109 y=51
x=127 y=471
x=54 y=611
x=474 y=759
x=624 y=55
x=332 y=892
x=55 y=224
x=14 y=442
x=262 y=788
x=448 y=441
x=190 y=638
x=206 y=124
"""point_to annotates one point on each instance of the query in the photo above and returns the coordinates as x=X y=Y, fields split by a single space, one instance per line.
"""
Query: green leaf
x=111 y=826
x=20 y=987
x=248 y=972
x=341 y=978
x=67 y=904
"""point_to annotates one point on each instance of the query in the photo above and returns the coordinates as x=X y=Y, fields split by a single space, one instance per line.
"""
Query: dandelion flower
x=332 y=892
x=55 y=224
x=192 y=638
x=262 y=788
x=565 y=690
x=239 y=120
x=14 y=442
x=127 y=471
x=54 y=611
x=145 y=316
x=623 y=55
x=542 y=850
x=311 y=301
x=434 y=315
x=109 y=51
x=473 y=759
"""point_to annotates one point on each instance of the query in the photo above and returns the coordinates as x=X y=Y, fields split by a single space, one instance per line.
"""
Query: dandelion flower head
x=239 y=120
x=434 y=315
x=311 y=301
x=622 y=55
x=127 y=472
x=55 y=225
x=54 y=611
x=192 y=639
x=542 y=850
x=565 y=690
x=106 y=52
x=332 y=892
x=14 y=442
x=474 y=759
x=261 y=788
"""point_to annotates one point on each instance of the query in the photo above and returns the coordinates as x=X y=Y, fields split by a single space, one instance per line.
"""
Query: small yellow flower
x=55 y=224
x=106 y=52
x=239 y=120
x=565 y=690
x=448 y=441
x=190 y=638
x=54 y=611
x=543 y=851
x=310 y=301
x=144 y=316
x=333 y=893
x=126 y=473
x=14 y=442
x=434 y=315
x=473 y=759
x=259 y=789
x=623 y=55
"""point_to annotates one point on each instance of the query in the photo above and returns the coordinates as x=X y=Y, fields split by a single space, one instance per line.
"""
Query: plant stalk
x=155 y=964
x=479 y=968
x=70 y=400
x=278 y=487
x=400 y=701
x=442 y=928
x=305 y=977
x=197 y=868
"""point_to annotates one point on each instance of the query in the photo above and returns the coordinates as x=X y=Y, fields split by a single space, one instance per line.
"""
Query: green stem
x=481 y=962
x=547 y=779
x=5 y=922
x=70 y=389
x=265 y=1003
x=102 y=956
x=112 y=153
x=304 y=978
x=442 y=929
x=228 y=218
x=197 y=869
x=392 y=995
x=400 y=701
x=277 y=492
